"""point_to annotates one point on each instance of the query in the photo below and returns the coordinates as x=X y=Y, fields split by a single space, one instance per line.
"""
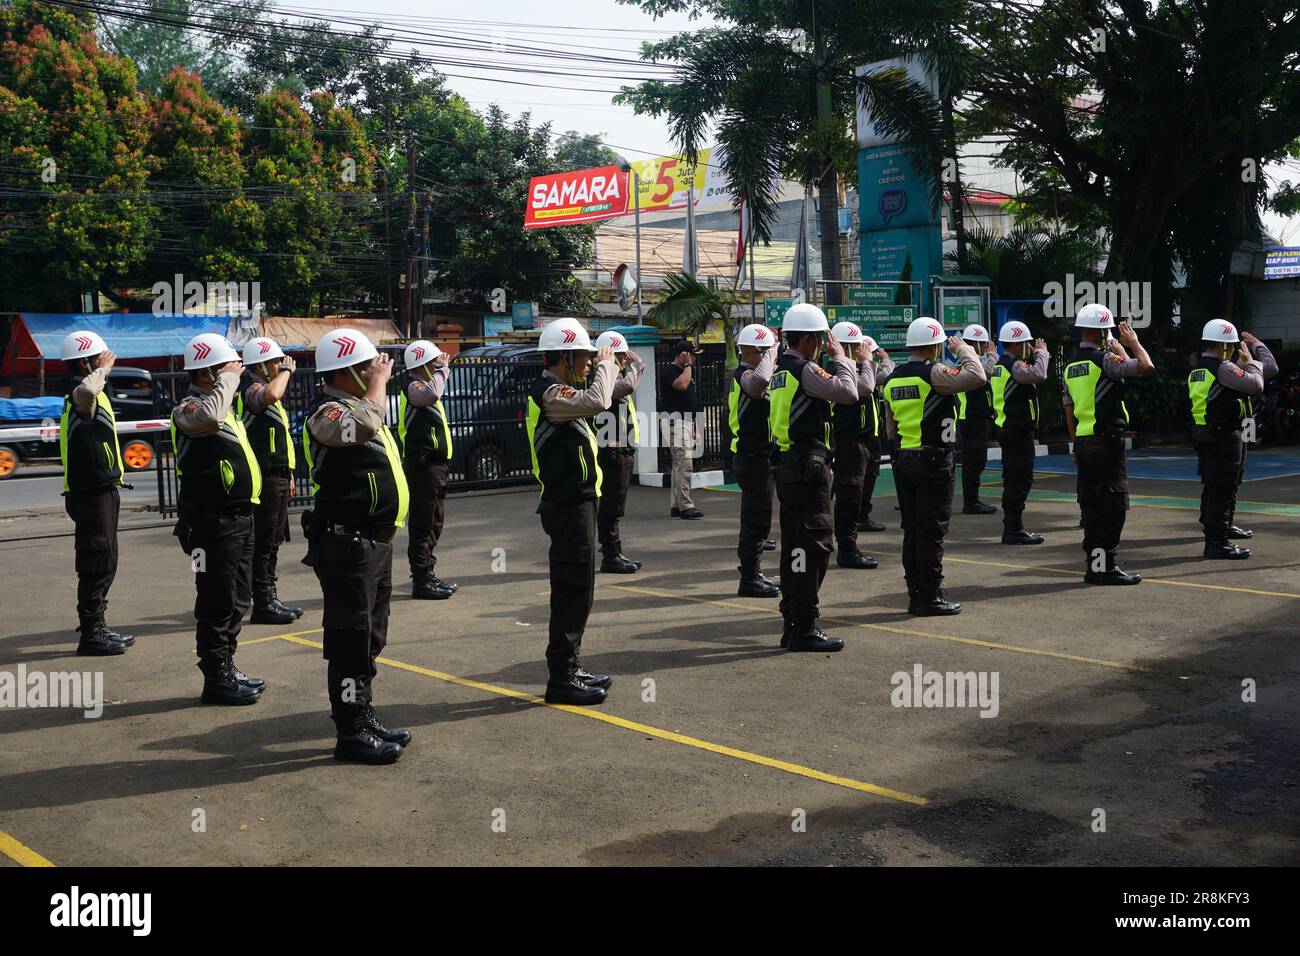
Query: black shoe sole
x=223 y=701
x=617 y=570
x=98 y=652
x=1111 y=582
x=573 y=701
x=859 y=567
x=1014 y=541
x=604 y=685
x=1226 y=557
x=371 y=760
x=796 y=648
x=742 y=592
x=931 y=612
x=263 y=619
x=437 y=596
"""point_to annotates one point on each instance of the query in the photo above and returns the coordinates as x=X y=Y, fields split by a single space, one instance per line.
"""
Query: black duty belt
x=381 y=534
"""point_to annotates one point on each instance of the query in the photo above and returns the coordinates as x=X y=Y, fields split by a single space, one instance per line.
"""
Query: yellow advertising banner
x=663 y=182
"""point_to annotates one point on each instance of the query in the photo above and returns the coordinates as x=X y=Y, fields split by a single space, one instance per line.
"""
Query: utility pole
x=408 y=238
x=424 y=259
x=388 y=244
x=954 y=187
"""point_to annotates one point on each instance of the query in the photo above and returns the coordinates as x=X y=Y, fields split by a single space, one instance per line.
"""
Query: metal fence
x=485 y=403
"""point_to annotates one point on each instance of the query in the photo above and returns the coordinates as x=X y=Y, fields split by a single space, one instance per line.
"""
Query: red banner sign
x=583 y=195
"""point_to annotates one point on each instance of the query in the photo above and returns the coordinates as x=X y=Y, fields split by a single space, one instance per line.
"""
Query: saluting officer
x=220 y=484
x=1014 y=383
x=1220 y=391
x=802 y=393
x=923 y=416
x=259 y=406
x=974 y=424
x=875 y=439
x=748 y=415
x=425 y=434
x=566 y=464
x=619 y=434
x=854 y=427
x=1097 y=418
x=359 y=500
x=92 y=473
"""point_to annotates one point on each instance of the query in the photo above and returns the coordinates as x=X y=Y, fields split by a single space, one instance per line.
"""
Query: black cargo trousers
x=803 y=487
x=1220 y=461
x=220 y=546
x=1102 y=489
x=926 y=480
x=94 y=518
x=572 y=530
x=754 y=476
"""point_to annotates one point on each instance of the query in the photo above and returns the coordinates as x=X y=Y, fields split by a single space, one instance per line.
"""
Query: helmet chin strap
x=352 y=370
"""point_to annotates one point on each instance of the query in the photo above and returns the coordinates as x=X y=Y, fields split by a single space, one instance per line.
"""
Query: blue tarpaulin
x=30 y=409
x=129 y=334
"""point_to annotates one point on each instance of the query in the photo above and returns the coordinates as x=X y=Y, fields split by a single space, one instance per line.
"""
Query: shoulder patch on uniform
x=820 y=371
x=190 y=406
x=951 y=371
x=335 y=413
x=1239 y=372
x=567 y=392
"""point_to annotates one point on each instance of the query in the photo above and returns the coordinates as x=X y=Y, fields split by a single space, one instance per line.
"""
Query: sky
x=599 y=28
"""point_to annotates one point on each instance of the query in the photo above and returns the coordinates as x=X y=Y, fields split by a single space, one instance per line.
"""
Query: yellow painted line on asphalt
x=20 y=852
x=276 y=637
x=695 y=742
x=908 y=632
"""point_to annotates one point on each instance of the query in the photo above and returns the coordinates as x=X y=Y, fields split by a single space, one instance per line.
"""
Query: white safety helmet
x=343 y=348
x=1015 y=332
x=564 y=335
x=1094 y=316
x=846 y=333
x=80 y=345
x=207 y=350
x=420 y=352
x=757 y=336
x=924 y=331
x=870 y=343
x=262 y=350
x=1219 y=330
x=975 y=333
x=805 y=317
x=612 y=341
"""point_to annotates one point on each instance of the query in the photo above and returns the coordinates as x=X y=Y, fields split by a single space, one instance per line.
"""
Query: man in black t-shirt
x=679 y=400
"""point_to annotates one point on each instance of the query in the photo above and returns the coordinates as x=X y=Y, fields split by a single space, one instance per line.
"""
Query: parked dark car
x=131 y=393
x=486 y=403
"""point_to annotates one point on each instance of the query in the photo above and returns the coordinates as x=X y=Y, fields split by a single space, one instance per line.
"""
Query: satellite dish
x=626 y=285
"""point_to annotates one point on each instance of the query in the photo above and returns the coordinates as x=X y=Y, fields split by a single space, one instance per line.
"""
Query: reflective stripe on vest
x=1088 y=388
x=438 y=436
x=317 y=455
x=278 y=423
x=100 y=443
x=230 y=431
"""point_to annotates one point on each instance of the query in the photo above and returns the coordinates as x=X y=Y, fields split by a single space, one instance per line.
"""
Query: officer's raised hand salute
x=220 y=483
x=359 y=500
x=566 y=464
x=1221 y=395
x=923 y=417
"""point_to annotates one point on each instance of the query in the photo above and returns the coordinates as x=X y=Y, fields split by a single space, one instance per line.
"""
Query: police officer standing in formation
x=1014 y=383
x=92 y=473
x=748 y=416
x=425 y=435
x=267 y=371
x=566 y=464
x=1221 y=391
x=974 y=424
x=923 y=415
x=854 y=427
x=875 y=440
x=1097 y=418
x=802 y=393
x=220 y=484
x=359 y=500
x=620 y=434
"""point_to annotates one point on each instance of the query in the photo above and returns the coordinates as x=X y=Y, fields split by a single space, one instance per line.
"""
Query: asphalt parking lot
x=1123 y=705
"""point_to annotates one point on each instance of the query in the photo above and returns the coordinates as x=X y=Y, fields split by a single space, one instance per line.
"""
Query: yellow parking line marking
x=20 y=852
x=951 y=638
x=646 y=729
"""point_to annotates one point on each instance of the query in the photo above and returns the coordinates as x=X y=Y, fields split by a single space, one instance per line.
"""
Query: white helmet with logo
x=420 y=352
x=1015 y=332
x=612 y=341
x=564 y=335
x=1094 y=316
x=261 y=350
x=343 y=348
x=975 y=333
x=207 y=350
x=805 y=317
x=924 y=331
x=1219 y=330
x=870 y=343
x=846 y=333
x=757 y=336
x=80 y=345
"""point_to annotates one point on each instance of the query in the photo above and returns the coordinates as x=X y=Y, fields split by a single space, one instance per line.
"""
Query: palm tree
x=779 y=86
x=690 y=305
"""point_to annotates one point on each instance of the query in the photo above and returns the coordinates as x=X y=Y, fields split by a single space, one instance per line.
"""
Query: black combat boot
x=222 y=687
x=95 y=640
x=813 y=639
x=1113 y=575
x=1239 y=534
x=281 y=606
x=615 y=563
x=932 y=604
x=449 y=586
x=566 y=687
x=769 y=544
x=754 y=584
x=868 y=524
x=1223 y=551
x=257 y=683
x=856 y=559
x=359 y=743
x=427 y=589
x=115 y=635
x=399 y=735
x=603 y=681
x=978 y=507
